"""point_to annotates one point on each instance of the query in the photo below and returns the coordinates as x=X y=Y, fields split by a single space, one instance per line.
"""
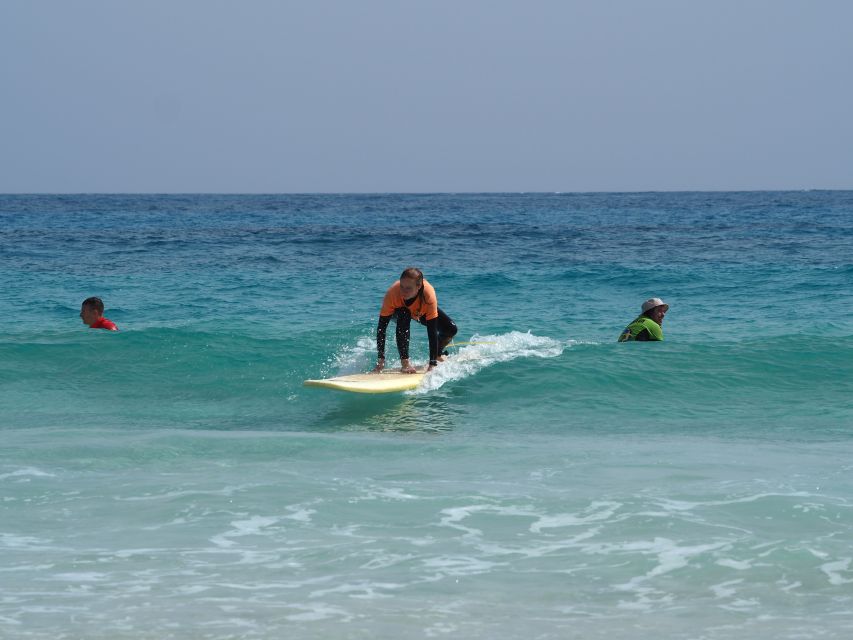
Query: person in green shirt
x=647 y=326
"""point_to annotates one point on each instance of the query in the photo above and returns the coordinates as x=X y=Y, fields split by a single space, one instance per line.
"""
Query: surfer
x=92 y=314
x=647 y=326
x=413 y=297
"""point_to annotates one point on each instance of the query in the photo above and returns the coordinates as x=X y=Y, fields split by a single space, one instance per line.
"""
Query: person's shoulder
x=653 y=329
x=105 y=323
x=429 y=289
x=391 y=299
x=394 y=289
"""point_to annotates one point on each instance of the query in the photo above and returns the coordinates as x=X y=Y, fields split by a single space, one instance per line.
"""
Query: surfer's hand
x=407 y=367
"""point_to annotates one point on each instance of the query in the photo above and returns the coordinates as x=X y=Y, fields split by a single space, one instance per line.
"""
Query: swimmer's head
x=91 y=310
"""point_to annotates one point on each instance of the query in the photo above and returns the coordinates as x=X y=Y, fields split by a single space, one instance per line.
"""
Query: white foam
x=381 y=493
x=316 y=612
x=354 y=358
x=301 y=514
x=192 y=589
x=250 y=526
x=833 y=570
x=487 y=351
x=459 y=565
x=387 y=560
x=253 y=525
x=130 y=553
x=441 y=629
x=468 y=360
x=27 y=567
x=27 y=472
x=674 y=557
x=725 y=589
x=14 y=541
x=542 y=550
x=391 y=493
x=81 y=576
x=453 y=516
x=363 y=590
x=231 y=622
x=740 y=565
x=670 y=557
x=596 y=512
x=682 y=505
x=227 y=492
x=647 y=599
x=741 y=605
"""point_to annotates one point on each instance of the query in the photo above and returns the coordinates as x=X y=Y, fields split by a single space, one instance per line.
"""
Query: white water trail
x=486 y=350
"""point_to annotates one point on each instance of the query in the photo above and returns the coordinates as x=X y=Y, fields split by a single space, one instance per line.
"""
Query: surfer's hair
x=413 y=273
x=94 y=303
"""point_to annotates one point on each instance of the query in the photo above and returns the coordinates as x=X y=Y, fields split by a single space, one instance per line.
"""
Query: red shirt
x=103 y=323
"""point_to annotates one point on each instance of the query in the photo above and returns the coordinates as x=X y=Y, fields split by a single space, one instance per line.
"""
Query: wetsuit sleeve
x=432 y=334
x=381 y=329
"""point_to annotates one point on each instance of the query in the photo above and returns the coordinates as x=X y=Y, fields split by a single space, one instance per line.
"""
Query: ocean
x=175 y=480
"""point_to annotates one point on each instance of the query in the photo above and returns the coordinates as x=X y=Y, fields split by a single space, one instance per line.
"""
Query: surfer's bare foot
x=407 y=367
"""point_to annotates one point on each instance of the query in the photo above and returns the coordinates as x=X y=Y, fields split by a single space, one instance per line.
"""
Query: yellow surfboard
x=385 y=382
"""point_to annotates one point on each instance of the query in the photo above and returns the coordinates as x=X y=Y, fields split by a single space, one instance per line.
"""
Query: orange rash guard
x=424 y=306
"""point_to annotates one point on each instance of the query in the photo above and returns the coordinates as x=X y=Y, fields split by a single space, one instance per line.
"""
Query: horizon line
x=409 y=193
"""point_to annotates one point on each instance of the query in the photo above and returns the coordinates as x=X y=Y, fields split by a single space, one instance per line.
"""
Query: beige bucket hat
x=651 y=303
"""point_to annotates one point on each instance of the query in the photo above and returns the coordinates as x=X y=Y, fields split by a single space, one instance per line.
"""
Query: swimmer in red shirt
x=92 y=314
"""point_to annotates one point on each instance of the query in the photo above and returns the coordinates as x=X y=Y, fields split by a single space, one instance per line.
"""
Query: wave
x=226 y=379
x=486 y=351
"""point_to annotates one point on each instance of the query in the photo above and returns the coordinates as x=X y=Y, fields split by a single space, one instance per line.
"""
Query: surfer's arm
x=381 y=330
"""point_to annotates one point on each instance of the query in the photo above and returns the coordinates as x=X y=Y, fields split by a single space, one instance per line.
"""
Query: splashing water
x=487 y=350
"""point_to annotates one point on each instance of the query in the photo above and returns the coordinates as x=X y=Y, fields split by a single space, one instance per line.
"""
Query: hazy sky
x=402 y=95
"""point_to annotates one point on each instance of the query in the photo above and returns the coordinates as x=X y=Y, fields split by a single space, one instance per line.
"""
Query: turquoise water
x=175 y=479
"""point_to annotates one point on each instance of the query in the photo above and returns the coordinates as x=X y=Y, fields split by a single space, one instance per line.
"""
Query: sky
x=274 y=96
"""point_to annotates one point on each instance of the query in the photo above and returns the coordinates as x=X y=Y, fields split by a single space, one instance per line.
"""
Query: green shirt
x=639 y=325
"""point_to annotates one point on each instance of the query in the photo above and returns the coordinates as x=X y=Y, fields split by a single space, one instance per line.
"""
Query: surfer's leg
x=446 y=330
x=403 y=319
